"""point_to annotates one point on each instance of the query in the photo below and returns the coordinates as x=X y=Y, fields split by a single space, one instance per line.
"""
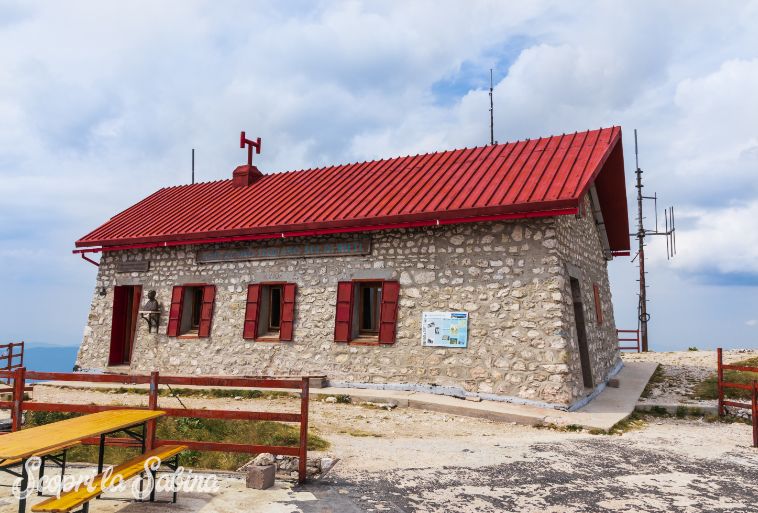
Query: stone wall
x=581 y=249
x=510 y=276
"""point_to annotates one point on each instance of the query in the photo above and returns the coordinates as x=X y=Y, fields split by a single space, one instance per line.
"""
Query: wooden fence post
x=152 y=403
x=755 y=413
x=18 y=398
x=303 y=457
x=10 y=358
x=720 y=381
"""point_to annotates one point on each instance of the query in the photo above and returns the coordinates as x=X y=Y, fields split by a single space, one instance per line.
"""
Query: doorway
x=581 y=333
x=126 y=299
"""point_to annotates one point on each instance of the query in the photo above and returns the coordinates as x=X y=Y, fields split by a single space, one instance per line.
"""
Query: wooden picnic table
x=26 y=443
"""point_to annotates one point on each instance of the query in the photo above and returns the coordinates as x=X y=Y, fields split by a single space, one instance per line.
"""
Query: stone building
x=479 y=271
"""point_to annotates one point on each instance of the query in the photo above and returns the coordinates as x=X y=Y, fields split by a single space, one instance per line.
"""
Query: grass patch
x=708 y=389
x=213 y=393
x=657 y=378
x=569 y=428
x=631 y=423
x=210 y=430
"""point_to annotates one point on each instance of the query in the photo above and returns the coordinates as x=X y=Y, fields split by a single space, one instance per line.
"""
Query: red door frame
x=126 y=299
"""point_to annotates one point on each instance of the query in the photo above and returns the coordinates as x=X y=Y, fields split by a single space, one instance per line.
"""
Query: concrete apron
x=609 y=407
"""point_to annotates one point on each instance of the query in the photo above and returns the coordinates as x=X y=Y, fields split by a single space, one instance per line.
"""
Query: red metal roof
x=545 y=176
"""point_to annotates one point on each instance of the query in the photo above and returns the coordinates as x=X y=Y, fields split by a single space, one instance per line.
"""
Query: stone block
x=261 y=477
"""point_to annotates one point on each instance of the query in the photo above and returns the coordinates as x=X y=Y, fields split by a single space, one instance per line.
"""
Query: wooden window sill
x=366 y=341
x=269 y=339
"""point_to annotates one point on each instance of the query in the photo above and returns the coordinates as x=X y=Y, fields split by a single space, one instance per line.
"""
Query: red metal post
x=720 y=381
x=18 y=398
x=755 y=413
x=152 y=403
x=303 y=456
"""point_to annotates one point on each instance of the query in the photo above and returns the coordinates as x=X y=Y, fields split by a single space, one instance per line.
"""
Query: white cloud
x=101 y=104
x=720 y=240
x=752 y=322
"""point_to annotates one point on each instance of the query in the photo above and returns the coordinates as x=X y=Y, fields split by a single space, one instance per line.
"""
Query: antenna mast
x=492 y=117
x=193 y=165
x=643 y=317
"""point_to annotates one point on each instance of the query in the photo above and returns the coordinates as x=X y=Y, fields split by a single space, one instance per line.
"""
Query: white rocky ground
x=682 y=370
x=406 y=460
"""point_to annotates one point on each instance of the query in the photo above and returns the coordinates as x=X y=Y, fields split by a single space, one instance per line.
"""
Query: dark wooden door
x=581 y=334
x=126 y=299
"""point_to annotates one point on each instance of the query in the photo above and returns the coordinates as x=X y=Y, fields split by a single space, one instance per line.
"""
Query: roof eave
x=547 y=209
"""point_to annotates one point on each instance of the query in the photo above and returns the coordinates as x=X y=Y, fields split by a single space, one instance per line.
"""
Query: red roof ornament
x=247 y=174
x=250 y=145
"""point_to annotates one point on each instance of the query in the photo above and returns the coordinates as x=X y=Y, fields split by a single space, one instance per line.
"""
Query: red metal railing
x=752 y=387
x=11 y=358
x=18 y=405
x=627 y=338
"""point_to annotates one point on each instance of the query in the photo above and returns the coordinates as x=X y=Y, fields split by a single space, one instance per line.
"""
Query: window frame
x=349 y=325
x=206 y=292
x=270 y=328
x=359 y=315
x=254 y=320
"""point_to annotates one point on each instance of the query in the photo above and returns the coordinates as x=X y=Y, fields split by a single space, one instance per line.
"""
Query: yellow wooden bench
x=81 y=496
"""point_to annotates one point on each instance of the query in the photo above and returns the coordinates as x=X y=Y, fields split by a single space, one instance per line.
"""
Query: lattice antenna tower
x=669 y=231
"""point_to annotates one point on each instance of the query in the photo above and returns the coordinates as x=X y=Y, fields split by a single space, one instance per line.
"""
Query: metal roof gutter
x=332 y=231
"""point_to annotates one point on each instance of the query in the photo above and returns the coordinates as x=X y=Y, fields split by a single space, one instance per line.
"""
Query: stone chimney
x=245 y=175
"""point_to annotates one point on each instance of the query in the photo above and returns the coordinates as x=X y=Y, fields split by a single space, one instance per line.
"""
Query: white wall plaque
x=444 y=329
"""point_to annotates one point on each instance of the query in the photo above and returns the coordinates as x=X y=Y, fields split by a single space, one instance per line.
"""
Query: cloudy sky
x=101 y=103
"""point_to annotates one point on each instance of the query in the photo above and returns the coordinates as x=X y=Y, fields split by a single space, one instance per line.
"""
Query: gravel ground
x=407 y=460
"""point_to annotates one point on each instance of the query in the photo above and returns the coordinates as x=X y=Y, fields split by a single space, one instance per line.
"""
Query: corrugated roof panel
x=523 y=176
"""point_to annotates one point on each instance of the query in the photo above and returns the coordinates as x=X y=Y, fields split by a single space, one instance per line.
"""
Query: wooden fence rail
x=11 y=358
x=18 y=378
x=629 y=336
x=752 y=387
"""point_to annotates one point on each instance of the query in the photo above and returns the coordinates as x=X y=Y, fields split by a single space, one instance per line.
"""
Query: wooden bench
x=81 y=496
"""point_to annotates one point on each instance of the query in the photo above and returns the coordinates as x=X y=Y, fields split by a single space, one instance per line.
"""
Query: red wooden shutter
x=343 y=321
x=388 y=314
x=252 y=312
x=175 y=313
x=206 y=311
x=598 y=305
x=288 y=312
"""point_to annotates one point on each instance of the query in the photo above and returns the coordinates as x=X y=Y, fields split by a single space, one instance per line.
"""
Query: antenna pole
x=642 y=310
x=193 y=165
x=492 y=116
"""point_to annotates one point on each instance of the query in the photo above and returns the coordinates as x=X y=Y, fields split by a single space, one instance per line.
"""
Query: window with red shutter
x=270 y=312
x=343 y=322
x=287 y=319
x=175 y=312
x=206 y=311
x=598 y=304
x=388 y=313
x=252 y=312
x=191 y=312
